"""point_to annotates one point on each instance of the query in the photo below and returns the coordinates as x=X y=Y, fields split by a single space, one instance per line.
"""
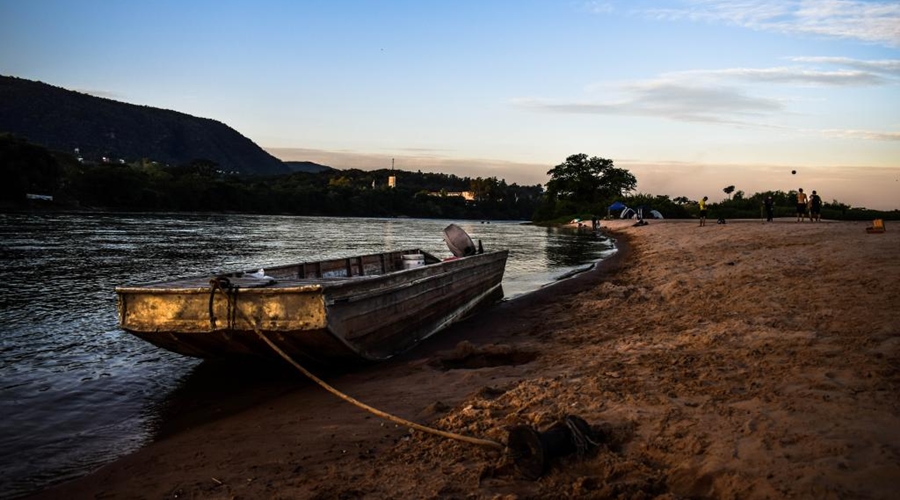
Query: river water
x=76 y=392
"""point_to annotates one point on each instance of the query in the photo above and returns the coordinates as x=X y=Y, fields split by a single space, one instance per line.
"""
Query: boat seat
x=251 y=282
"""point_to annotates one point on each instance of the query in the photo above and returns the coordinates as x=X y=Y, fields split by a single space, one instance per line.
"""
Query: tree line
x=585 y=187
x=200 y=185
x=581 y=186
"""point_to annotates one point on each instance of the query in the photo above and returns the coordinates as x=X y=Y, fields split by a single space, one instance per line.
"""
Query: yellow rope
x=459 y=437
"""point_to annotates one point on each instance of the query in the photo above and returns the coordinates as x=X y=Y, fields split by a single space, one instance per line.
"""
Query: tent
x=615 y=206
x=645 y=212
x=640 y=213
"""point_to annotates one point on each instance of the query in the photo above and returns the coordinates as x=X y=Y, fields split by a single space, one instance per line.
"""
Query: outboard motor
x=458 y=241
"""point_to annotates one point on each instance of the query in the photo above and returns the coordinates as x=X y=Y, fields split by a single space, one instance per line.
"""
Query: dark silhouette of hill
x=308 y=166
x=64 y=120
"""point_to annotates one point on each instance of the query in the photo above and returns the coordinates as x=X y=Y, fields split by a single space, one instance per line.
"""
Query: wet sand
x=744 y=360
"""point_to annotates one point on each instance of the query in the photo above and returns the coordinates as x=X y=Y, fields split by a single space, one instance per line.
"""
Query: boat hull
x=365 y=315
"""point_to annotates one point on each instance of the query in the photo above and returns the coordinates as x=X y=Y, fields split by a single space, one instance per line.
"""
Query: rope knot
x=223 y=284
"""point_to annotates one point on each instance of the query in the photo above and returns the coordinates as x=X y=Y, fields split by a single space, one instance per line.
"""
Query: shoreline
x=724 y=361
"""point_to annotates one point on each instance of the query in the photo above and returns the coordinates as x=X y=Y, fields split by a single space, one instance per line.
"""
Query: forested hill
x=307 y=166
x=64 y=120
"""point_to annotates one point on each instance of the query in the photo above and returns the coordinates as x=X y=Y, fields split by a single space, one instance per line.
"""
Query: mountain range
x=96 y=128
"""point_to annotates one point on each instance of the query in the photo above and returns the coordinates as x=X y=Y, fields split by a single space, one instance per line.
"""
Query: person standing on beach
x=815 y=207
x=769 y=203
x=703 y=211
x=801 y=205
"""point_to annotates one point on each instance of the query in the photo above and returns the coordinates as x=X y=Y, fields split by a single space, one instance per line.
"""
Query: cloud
x=720 y=95
x=868 y=21
x=598 y=7
x=889 y=67
x=682 y=101
x=789 y=75
x=862 y=134
x=696 y=104
x=672 y=100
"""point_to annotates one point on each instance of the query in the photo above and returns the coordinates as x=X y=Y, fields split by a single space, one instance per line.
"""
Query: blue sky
x=689 y=95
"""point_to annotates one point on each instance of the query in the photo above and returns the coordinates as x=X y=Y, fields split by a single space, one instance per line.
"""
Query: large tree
x=584 y=180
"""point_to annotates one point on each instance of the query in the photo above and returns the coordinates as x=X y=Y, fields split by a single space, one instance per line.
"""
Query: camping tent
x=615 y=206
x=640 y=213
x=645 y=212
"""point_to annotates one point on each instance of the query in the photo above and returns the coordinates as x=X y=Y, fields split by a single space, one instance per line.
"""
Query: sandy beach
x=744 y=360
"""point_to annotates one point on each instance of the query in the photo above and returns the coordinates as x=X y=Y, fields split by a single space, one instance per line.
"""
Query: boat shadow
x=216 y=389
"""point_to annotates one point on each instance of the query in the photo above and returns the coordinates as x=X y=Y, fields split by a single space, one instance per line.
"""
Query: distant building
x=466 y=195
x=392 y=181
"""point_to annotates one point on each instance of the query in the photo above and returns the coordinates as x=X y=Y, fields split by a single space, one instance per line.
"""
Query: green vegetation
x=580 y=187
x=26 y=168
x=749 y=207
x=583 y=185
x=740 y=206
x=584 y=188
x=200 y=185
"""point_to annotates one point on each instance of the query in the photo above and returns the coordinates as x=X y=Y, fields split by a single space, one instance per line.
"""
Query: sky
x=691 y=96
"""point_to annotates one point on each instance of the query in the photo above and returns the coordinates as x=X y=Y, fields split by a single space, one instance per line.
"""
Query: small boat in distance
x=361 y=308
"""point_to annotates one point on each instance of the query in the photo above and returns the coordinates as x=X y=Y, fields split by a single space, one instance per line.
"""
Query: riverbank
x=742 y=360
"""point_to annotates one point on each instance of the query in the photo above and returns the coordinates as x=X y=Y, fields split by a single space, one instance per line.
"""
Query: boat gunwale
x=405 y=251
x=303 y=285
x=205 y=290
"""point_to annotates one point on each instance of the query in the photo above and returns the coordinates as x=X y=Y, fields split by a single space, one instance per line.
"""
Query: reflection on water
x=566 y=249
x=76 y=392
